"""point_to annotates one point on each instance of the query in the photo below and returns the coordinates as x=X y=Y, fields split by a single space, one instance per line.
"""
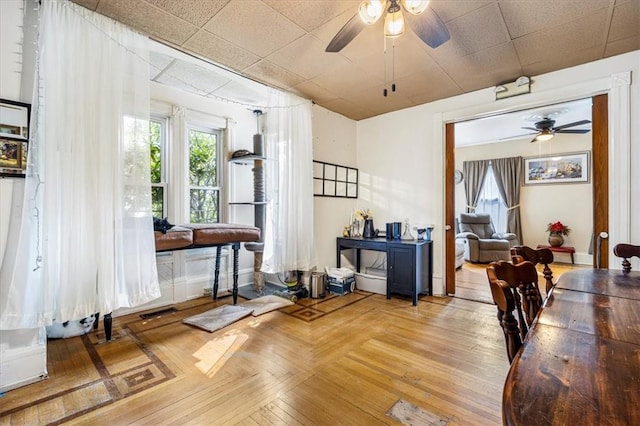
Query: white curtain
x=86 y=240
x=289 y=240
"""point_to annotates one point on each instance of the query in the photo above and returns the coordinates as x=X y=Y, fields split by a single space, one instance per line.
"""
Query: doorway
x=599 y=176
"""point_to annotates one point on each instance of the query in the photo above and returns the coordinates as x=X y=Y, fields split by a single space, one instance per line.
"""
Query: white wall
x=401 y=154
x=334 y=141
x=572 y=204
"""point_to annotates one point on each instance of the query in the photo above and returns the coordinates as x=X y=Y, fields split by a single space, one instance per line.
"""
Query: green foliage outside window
x=155 y=143
x=203 y=177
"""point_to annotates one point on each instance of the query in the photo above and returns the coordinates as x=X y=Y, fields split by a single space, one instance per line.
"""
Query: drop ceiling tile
x=375 y=100
x=347 y=79
x=220 y=51
x=191 y=77
x=89 y=4
x=525 y=17
x=309 y=15
x=479 y=70
x=148 y=19
x=306 y=57
x=429 y=85
x=272 y=74
x=310 y=90
x=470 y=33
x=625 y=22
x=254 y=26
x=409 y=58
x=564 y=40
x=197 y=12
x=560 y=61
x=348 y=109
x=241 y=93
x=158 y=63
x=448 y=10
x=622 y=46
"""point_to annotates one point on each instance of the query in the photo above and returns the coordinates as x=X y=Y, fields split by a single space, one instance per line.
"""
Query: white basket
x=371 y=283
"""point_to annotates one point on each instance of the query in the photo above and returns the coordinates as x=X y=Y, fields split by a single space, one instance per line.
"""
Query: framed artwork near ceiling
x=333 y=180
x=557 y=168
x=14 y=137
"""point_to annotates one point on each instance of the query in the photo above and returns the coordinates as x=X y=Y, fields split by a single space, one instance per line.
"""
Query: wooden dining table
x=580 y=362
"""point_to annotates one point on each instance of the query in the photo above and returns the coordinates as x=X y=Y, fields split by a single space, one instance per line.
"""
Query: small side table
x=561 y=249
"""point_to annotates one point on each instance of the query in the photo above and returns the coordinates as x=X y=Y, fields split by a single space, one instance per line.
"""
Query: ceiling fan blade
x=577 y=123
x=516 y=136
x=351 y=29
x=530 y=128
x=429 y=27
x=574 y=131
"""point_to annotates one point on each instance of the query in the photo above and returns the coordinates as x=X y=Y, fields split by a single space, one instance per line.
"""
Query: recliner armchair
x=482 y=244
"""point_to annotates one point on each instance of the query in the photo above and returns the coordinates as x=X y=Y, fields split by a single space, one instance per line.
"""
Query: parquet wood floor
x=472 y=284
x=348 y=360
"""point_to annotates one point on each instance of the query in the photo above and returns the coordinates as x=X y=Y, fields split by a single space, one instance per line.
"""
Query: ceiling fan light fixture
x=370 y=11
x=415 y=7
x=393 y=22
x=543 y=136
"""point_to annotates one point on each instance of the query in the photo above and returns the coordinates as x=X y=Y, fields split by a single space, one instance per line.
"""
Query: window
x=157 y=141
x=204 y=181
x=491 y=202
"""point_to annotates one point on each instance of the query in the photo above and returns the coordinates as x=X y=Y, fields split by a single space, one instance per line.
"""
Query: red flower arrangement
x=558 y=228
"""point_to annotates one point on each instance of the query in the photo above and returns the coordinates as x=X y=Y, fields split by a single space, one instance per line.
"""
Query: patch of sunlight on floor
x=215 y=353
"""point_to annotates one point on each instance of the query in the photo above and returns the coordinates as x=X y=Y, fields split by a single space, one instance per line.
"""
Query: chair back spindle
x=515 y=291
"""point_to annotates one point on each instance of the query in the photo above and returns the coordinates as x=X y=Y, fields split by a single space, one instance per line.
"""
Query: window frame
x=164 y=161
x=219 y=188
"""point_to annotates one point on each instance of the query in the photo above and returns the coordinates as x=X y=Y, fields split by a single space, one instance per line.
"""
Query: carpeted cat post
x=259 y=200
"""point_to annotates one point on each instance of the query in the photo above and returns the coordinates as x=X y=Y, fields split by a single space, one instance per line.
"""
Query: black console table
x=409 y=263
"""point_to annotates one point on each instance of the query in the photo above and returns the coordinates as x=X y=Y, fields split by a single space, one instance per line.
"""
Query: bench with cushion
x=184 y=237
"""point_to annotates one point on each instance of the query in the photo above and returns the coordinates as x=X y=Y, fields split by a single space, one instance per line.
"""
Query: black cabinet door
x=401 y=269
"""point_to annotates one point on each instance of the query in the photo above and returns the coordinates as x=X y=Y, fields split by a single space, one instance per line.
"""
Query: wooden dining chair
x=514 y=288
x=626 y=251
x=542 y=256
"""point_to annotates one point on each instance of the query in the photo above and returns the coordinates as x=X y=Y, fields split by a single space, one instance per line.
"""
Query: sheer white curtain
x=86 y=233
x=289 y=241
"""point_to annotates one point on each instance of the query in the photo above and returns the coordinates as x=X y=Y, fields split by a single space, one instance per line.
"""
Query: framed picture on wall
x=557 y=168
x=14 y=137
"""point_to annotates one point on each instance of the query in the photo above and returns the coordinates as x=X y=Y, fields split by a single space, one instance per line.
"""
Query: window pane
x=155 y=142
x=491 y=202
x=157 y=201
x=202 y=158
x=204 y=206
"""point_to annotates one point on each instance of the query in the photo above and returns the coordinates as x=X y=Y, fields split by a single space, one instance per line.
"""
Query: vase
x=368 y=231
x=556 y=240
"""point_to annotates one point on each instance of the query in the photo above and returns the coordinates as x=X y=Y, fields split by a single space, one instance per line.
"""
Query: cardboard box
x=344 y=286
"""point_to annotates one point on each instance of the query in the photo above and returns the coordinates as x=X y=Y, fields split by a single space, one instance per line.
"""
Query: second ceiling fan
x=545 y=129
x=423 y=20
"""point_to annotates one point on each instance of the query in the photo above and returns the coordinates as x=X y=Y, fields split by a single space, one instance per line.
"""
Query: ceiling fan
x=545 y=129
x=423 y=20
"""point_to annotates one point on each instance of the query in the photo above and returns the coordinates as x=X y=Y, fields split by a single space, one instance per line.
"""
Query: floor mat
x=219 y=317
x=264 y=304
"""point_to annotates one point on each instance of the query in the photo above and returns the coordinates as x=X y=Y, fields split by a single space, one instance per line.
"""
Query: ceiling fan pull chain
x=384 y=65
x=393 y=68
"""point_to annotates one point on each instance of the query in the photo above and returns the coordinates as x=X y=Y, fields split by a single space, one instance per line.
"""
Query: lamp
x=394 y=21
x=370 y=11
x=544 y=135
x=415 y=7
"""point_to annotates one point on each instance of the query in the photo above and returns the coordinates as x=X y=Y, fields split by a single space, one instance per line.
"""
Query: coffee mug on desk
x=397 y=230
x=389 y=231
